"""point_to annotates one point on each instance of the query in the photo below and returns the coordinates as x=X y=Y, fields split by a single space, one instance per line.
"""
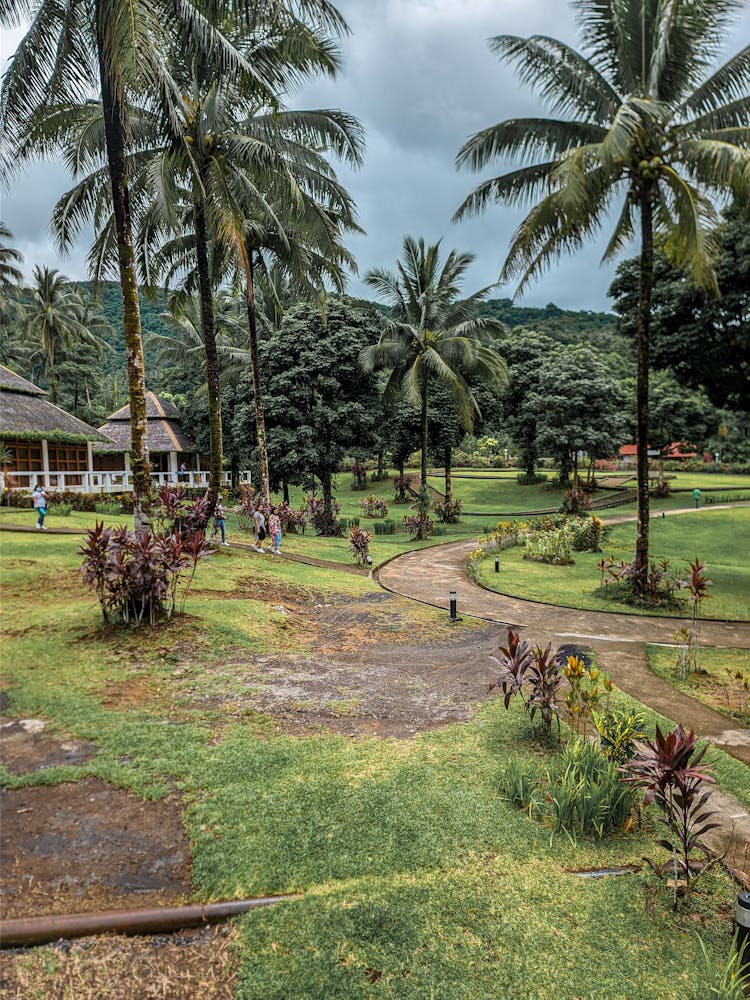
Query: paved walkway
x=619 y=641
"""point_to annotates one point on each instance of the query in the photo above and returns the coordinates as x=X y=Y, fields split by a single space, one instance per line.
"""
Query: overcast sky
x=420 y=77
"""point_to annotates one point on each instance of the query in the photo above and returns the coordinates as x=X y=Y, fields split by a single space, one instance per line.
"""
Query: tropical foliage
x=643 y=120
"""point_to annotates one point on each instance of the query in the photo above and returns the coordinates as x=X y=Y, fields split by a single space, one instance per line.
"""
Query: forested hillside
x=564 y=326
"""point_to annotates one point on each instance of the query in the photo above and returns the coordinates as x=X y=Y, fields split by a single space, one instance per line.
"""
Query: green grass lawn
x=418 y=878
x=720 y=538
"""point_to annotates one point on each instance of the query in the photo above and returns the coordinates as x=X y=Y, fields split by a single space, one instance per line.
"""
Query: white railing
x=109 y=482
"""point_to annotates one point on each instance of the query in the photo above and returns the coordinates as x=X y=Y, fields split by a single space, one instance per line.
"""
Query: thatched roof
x=10 y=382
x=26 y=415
x=163 y=425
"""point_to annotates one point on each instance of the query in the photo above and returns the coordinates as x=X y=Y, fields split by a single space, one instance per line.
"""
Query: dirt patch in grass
x=23 y=748
x=132 y=693
x=359 y=675
x=86 y=845
x=192 y=965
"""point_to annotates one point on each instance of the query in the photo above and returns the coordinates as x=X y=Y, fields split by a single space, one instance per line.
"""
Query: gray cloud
x=419 y=75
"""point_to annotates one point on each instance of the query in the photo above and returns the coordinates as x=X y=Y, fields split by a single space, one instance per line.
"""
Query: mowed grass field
x=417 y=878
x=719 y=538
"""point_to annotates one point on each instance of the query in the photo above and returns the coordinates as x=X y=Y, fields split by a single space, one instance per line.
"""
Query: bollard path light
x=497 y=564
x=452 y=597
x=742 y=924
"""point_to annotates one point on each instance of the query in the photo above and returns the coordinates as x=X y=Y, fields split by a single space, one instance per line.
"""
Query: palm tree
x=265 y=192
x=116 y=47
x=10 y=275
x=54 y=318
x=233 y=175
x=643 y=121
x=431 y=333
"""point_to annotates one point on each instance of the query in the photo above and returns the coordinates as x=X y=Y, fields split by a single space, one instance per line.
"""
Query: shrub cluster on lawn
x=373 y=506
x=549 y=539
x=590 y=790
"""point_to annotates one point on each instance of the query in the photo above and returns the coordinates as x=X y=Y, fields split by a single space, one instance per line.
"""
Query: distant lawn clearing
x=719 y=538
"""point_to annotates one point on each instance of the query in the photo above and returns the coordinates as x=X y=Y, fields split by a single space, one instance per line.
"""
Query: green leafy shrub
x=554 y=547
x=108 y=508
x=587 y=794
x=588 y=534
x=618 y=729
x=63 y=509
x=524 y=479
x=387 y=527
x=731 y=980
x=587 y=687
x=519 y=786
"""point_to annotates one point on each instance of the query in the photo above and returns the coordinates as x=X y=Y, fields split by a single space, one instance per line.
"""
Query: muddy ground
x=87 y=845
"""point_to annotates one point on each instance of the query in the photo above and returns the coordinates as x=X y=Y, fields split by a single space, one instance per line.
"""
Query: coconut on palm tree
x=645 y=122
x=431 y=334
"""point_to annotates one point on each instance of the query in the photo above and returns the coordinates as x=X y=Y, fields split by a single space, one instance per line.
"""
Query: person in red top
x=274 y=528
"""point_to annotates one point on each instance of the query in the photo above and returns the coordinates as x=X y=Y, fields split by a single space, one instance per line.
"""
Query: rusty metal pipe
x=27 y=931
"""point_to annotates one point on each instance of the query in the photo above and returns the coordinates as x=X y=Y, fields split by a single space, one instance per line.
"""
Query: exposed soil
x=23 y=748
x=193 y=964
x=86 y=845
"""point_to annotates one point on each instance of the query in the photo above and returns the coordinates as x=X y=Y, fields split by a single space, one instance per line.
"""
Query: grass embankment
x=418 y=878
x=719 y=538
x=722 y=682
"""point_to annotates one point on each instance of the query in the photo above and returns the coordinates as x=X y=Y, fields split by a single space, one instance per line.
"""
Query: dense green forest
x=564 y=326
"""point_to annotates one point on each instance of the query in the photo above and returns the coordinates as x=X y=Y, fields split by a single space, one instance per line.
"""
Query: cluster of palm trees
x=46 y=319
x=193 y=170
x=187 y=162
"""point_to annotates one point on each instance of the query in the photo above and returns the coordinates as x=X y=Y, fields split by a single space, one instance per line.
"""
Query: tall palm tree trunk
x=448 y=459
x=642 y=346
x=424 y=425
x=131 y=317
x=260 y=417
x=212 y=362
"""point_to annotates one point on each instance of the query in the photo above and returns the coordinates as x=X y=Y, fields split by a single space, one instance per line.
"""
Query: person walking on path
x=39 y=499
x=697 y=497
x=260 y=530
x=274 y=528
x=220 y=524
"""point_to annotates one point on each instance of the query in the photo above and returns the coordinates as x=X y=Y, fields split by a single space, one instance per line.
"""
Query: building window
x=68 y=458
x=26 y=456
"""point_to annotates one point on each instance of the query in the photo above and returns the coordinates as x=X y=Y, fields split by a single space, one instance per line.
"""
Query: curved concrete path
x=619 y=641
